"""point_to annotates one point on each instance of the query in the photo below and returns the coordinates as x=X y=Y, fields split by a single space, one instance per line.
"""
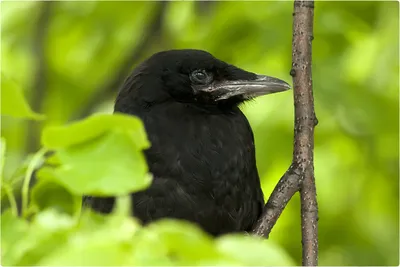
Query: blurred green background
x=71 y=57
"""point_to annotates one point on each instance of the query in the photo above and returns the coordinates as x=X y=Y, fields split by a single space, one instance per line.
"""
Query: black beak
x=262 y=85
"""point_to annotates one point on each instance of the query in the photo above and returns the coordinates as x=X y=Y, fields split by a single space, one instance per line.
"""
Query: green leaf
x=108 y=165
x=47 y=194
x=172 y=240
x=86 y=252
x=13 y=102
x=13 y=229
x=48 y=231
x=18 y=175
x=2 y=156
x=91 y=221
x=94 y=126
x=100 y=240
x=253 y=251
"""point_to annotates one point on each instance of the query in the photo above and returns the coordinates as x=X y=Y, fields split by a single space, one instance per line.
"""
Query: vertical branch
x=304 y=126
x=40 y=80
x=300 y=175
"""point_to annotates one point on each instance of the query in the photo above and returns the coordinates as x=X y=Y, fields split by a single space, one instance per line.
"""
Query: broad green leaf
x=47 y=194
x=253 y=251
x=13 y=102
x=109 y=243
x=48 y=231
x=90 y=220
x=87 y=253
x=13 y=229
x=183 y=238
x=173 y=240
x=108 y=165
x=92 y=127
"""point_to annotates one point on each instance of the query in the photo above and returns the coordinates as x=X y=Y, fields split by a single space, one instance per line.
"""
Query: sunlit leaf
x=108 y=243
x=13 y=229
x=48 y=231
x=253 y=251
x=107 y=165
x=183 y=242
x=94 y=126
x=13 y=102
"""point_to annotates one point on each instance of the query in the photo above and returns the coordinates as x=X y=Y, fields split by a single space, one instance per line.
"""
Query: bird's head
x=194 y=77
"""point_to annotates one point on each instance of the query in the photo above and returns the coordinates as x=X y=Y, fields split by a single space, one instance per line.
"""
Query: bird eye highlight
x=200 y=77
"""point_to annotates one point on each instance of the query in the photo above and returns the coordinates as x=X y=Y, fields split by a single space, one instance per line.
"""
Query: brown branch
x=304 y=128
x=300 y=175
x=152 y=33
x=37 y=94
x=309 y=219
x=287 y=186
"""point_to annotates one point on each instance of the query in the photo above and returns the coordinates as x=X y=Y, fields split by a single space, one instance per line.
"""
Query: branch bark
x=300 y=175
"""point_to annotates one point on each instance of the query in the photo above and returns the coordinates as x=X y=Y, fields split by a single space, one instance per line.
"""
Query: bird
x=202 y=154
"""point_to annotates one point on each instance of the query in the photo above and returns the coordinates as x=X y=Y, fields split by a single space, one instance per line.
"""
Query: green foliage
x=54 y=238
x=94 y=126
x=13 y=102
x=102 y=155
x=49 y=194
x=355 y=80
x=100 y=149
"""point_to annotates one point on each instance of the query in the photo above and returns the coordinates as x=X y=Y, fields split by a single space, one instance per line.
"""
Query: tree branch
x=287 y=186
x=151 y=33
x=304 y=127
x=37 y=94
x=300 y=175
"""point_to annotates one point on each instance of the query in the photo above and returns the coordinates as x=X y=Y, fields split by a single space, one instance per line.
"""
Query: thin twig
x=38 y=91
x=287 y=186
x=300 y=175
x=107 y=89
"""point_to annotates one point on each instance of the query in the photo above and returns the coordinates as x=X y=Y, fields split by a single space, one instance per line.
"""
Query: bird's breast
x=206 y=152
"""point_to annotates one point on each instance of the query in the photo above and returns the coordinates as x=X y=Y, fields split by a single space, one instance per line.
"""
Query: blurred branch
x=38 y=90
x=300 y=175
x=108 y=88
x=204 y=7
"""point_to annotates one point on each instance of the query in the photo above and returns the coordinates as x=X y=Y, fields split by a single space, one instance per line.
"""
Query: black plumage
x=202 y=155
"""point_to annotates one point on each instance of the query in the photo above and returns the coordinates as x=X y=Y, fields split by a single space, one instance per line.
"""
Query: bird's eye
x=200 y=77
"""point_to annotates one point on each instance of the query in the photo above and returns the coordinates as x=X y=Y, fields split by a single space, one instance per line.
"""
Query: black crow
x=202 y=153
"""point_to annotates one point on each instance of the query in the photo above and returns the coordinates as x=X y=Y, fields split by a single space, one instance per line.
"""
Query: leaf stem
x=11 y=199
x=29 y=172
